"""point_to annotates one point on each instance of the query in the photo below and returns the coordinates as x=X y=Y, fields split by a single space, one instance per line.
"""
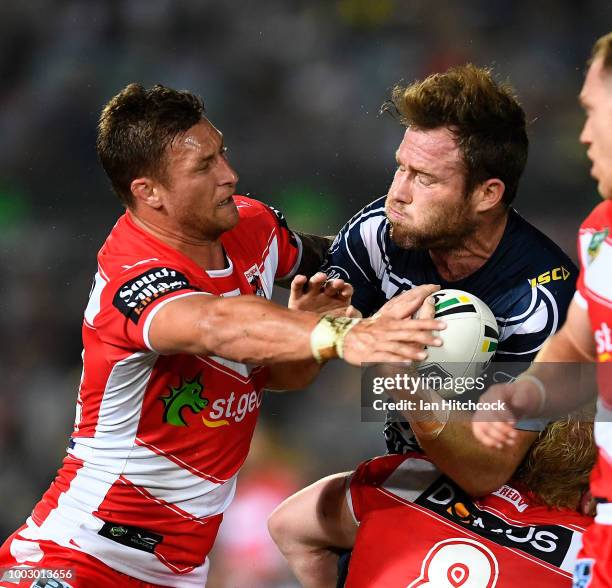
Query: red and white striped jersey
x=159 y=440
x=594 y=293
x=417 y=528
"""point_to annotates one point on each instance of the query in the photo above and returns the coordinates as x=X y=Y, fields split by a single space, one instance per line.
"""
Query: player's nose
x=585 y=135
x=227 y=174
x=400 y=191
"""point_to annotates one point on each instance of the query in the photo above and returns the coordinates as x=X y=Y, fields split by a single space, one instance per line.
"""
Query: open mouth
x=228 y=200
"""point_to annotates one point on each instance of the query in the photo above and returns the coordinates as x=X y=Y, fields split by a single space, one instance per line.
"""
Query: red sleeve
x=128 y=302
x=593 y=231
x=372 y=474
x=265 y=226
x=289 y=245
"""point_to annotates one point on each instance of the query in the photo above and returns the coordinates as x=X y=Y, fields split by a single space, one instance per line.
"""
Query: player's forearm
x=309 y=525
x=477 y=469
x=250 y=329
x=449 y=442
x=271 y=334
x=566 y=373
x=447 y=438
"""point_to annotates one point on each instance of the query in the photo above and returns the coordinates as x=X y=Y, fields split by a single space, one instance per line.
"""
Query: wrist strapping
x=327 y=338
x=540 y=388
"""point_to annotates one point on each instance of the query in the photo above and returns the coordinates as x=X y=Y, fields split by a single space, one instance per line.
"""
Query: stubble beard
x=448 y=229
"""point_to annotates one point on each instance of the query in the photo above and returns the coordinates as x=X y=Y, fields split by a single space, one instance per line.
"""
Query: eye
x=425 y=180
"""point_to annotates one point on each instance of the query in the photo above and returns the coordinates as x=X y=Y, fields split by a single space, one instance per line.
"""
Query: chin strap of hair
x=327 y=338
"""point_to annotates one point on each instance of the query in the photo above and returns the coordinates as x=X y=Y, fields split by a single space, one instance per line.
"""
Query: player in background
x=408 y=525
x=586 y=335
x=180 y=339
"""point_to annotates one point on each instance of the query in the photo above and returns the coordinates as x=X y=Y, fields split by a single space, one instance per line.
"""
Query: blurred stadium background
x=296 y=87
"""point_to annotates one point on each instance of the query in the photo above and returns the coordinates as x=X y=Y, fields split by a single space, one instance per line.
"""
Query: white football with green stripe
x=470 y=338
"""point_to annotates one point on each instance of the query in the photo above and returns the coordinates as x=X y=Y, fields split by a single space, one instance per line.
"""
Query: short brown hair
x=603 y=49
x=558 y=465
x=485 y=117
x=135 y=128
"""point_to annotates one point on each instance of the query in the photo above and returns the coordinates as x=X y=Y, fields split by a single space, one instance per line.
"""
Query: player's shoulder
x=255 y=214
x=537 y=250
x=363 y=227
x=250 y=207
x=532 y=260
x=373 y=213
x=599 y=218
x=403 y=470
x=129 y=251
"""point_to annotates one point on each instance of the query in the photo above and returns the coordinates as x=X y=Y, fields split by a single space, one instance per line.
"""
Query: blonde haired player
x=409 y=525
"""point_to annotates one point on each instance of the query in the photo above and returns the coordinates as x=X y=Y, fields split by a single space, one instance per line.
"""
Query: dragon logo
x=187 y=395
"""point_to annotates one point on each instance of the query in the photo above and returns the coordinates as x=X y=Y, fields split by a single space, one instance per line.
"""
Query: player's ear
x=489 y=194
x=145 y=192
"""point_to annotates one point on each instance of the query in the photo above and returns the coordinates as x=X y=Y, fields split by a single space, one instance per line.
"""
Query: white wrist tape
x=539 y=387
x=327 y=338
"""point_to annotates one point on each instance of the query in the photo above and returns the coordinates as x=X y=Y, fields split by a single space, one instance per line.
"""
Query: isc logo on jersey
x=603 y=340
x=222 y=411
x=557 y=273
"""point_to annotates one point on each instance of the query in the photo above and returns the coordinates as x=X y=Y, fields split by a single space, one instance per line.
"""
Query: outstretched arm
x=310 y=526
x=447 y=439
x=476 y=468
x=545 y=388
x=333 y=296
x=251 y=329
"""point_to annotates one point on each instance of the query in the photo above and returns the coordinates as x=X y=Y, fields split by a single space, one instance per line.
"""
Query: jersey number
x=458 y=563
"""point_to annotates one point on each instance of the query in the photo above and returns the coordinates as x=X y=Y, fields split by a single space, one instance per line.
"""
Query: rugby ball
x=469 y=341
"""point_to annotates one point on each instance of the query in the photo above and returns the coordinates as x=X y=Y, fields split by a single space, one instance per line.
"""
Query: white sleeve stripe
x=580 y=300
x=147 y=325
x=297 y=261
x=362 y=217
x=521 y=352
x=518 y=317
x=348 y=250
x=349 y=498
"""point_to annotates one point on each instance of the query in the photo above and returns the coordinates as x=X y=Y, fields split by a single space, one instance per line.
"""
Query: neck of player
x=458 y=263
x=207 y=253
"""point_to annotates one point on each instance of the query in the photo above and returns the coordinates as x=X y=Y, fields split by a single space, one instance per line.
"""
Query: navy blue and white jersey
x=527 y=283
